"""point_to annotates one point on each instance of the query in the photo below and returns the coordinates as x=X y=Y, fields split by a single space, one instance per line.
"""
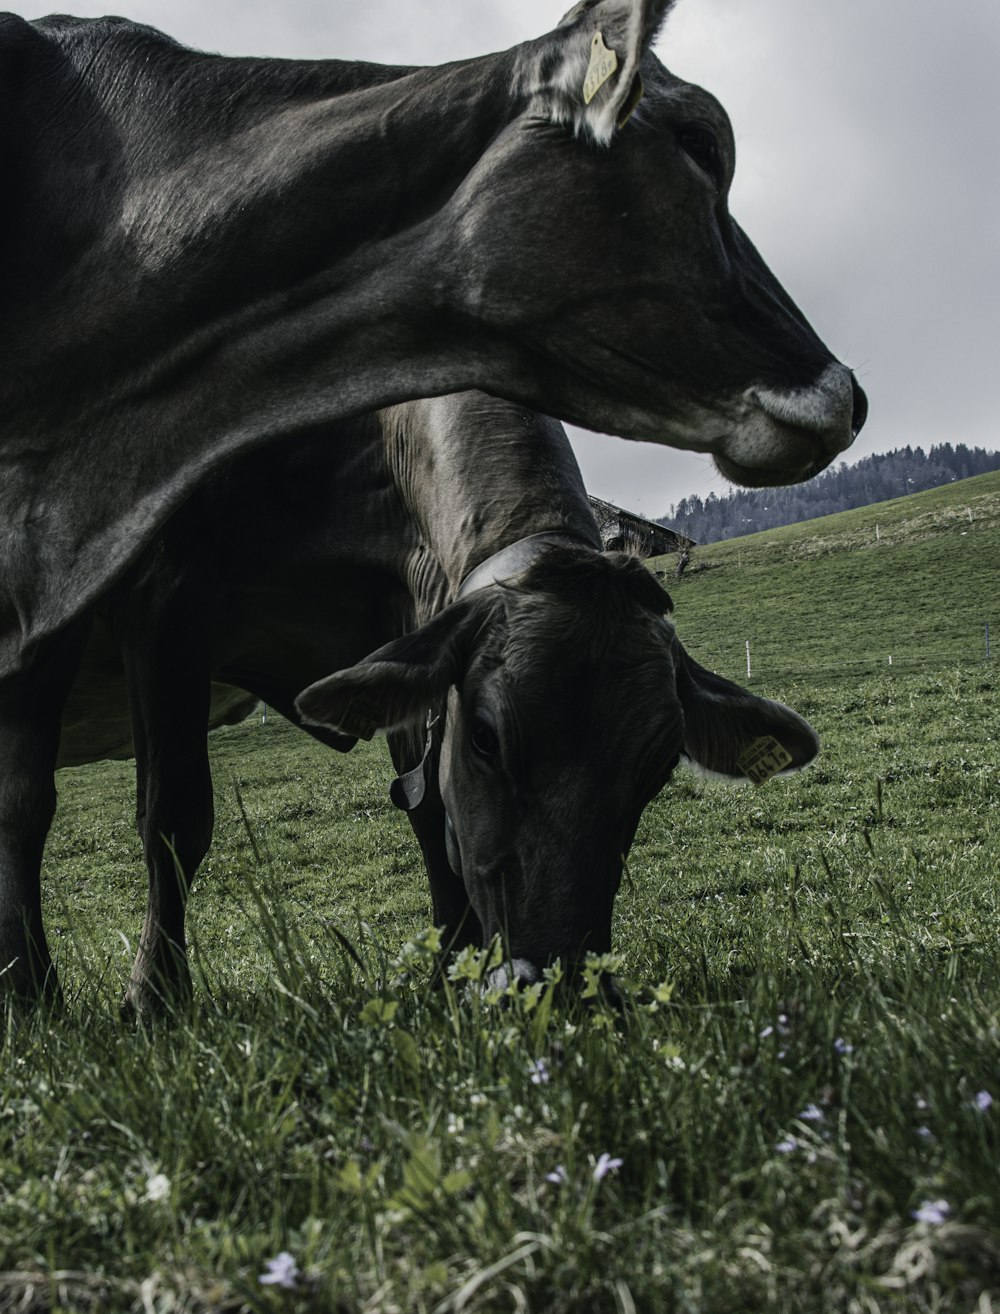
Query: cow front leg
x=169 y=697
x=31 y=705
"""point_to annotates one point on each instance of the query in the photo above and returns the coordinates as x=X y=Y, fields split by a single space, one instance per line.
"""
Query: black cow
x=201 y=254
x=559 y=697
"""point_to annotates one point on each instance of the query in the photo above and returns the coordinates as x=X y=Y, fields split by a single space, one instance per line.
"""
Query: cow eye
x=700 y=144
x=484 y=738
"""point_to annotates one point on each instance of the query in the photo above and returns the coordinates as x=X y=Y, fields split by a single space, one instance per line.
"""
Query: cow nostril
x=860 y=412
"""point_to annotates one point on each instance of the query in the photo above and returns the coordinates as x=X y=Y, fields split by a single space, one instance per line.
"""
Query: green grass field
x=916 y=579
x=798 y=1091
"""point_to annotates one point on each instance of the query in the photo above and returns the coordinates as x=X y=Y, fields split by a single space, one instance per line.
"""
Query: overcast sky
x=868 y=175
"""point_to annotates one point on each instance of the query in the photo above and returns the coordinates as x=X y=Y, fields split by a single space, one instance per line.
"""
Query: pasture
x=793 y=1111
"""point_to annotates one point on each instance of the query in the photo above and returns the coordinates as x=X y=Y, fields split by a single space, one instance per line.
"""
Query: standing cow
x=452 y=540
x=203 y=254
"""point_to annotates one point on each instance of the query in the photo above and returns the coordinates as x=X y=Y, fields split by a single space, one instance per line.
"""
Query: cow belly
x=230 y=705
x=96 y=724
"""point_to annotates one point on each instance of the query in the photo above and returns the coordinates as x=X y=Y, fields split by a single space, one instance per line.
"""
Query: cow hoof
x=18 y=1009
x=21 y=994
x=147 y=1002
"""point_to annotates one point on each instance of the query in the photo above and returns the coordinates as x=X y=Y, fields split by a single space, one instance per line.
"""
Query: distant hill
x=873 y=479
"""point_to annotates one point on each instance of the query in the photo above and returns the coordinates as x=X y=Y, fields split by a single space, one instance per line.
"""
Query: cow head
x=626 y=275
x=569 y=701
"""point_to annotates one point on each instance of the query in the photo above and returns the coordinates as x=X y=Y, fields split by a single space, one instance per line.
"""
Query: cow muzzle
x=523 y=972
x=518 y=970
x=785 y=435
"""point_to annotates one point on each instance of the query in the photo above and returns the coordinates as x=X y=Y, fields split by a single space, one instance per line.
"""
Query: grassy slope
x=402 y=1155
x=828 y=597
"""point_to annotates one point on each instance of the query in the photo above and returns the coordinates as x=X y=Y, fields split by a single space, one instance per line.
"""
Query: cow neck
x=515 y=558
x=476 y=475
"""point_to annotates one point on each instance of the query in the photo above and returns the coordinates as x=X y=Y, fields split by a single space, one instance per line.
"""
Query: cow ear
x=396 y=685
x=731 y=732
x=588 y=72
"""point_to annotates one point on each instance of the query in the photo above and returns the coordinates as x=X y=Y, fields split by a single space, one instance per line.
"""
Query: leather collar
x=516 y=558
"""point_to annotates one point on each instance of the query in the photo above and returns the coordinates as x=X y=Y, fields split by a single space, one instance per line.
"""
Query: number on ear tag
x=603 y=63
x=763 y=759
x=360 y=718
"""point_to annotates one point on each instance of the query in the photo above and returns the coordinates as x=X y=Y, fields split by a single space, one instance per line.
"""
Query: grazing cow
x=203 y=254
x=559 y=699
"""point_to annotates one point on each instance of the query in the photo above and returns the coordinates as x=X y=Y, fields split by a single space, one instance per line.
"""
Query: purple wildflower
x=787 y=1146
x=538 y=1071
x=841 y=1046
x=812 y=1113
x=558 y=1176
x=934 y=1212
x=282 y=1271
x=983 y=1100
x=605 y=1164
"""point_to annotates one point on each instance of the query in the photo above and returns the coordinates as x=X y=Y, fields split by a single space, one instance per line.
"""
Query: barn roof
x=621 y=528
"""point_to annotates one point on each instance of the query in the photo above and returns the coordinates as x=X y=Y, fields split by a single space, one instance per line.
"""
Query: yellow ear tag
x=603 y=63
x=763 y=759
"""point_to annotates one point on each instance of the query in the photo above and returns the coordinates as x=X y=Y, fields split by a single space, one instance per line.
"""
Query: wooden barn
x=625 y=530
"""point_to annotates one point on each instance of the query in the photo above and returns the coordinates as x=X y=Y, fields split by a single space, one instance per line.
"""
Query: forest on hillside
x=841 y=488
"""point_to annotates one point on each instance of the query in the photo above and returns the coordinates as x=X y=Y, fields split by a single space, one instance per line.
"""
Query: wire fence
x=770 y=660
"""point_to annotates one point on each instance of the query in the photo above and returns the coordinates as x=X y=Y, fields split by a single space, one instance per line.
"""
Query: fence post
x=748 y=659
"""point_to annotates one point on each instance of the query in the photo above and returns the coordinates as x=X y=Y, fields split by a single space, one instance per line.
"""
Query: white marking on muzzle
x=825 y=409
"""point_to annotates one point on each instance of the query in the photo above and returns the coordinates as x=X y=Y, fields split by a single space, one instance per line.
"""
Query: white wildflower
x=157 y=1187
